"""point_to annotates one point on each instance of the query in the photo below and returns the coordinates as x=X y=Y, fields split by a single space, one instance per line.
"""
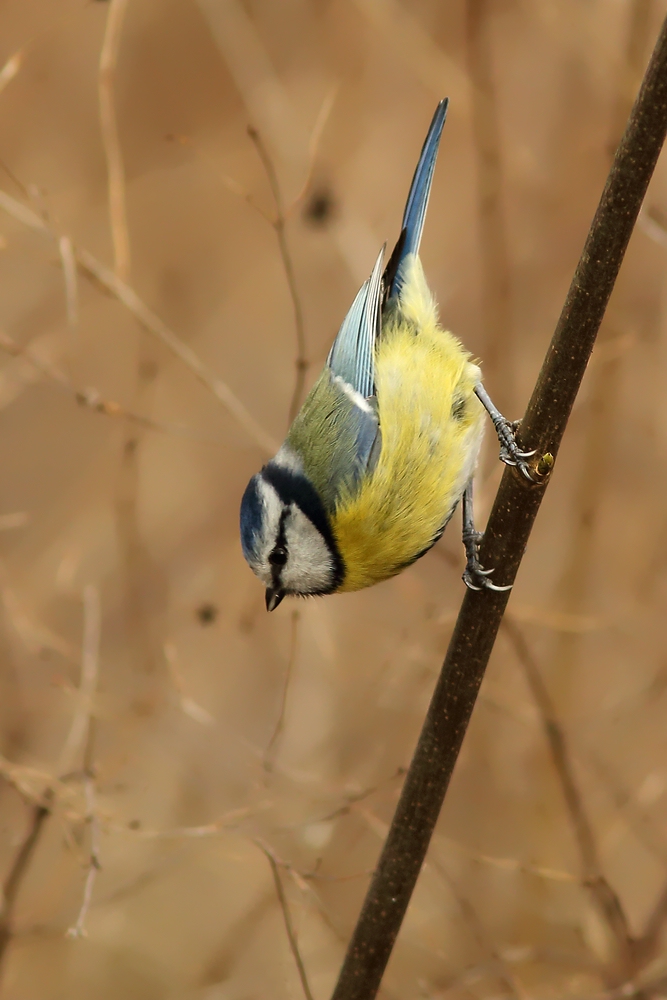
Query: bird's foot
x=510 y=452
x=475 y=576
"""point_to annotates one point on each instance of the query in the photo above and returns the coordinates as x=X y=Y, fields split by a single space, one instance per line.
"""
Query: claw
x=474 y=572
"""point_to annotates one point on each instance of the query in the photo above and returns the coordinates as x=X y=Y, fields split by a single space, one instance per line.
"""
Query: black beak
x=274 y=596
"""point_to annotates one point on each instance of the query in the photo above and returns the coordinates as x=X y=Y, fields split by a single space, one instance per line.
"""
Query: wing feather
x=352 y=356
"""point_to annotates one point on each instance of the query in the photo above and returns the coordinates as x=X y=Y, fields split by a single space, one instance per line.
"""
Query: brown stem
x=505 y=540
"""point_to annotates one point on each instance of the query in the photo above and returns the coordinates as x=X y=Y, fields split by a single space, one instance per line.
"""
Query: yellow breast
x=432 y=425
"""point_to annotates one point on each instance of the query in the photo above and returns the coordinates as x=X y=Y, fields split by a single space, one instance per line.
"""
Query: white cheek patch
x=272 y=511
x=310 y=567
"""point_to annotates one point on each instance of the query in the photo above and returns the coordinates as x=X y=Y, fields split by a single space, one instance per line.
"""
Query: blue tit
x=386 y=443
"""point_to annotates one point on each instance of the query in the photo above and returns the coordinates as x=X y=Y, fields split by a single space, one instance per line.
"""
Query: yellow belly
x=432 y=425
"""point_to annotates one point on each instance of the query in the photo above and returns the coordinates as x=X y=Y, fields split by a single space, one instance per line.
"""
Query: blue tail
x=417 y=203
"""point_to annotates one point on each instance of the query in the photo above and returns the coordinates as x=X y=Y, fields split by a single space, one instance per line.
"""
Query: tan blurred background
x=154 y=720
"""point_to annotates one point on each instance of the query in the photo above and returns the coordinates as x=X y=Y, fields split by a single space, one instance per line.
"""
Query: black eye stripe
x=279 y=556
x=295 y=488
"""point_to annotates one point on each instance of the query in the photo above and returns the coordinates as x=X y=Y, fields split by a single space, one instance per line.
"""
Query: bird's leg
x=506 y=431
x=474 y=577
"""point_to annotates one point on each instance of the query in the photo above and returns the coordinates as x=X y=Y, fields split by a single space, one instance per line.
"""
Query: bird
x=386 y=443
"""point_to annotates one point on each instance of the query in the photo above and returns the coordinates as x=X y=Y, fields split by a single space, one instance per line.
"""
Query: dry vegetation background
x=183 y=774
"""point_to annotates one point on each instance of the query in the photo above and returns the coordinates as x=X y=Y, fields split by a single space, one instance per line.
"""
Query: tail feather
x=417 y=203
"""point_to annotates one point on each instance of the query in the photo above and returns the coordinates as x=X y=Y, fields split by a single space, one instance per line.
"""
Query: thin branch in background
x=188 y=705
x=82 y=733
x=626 y=803
x=77 y=736
x=503 y=971
x=279 y=224
x=443 y=845
x=509 y=864
x=35 y=786
x=229 y=821
x=400 y=29
x=17 y=520
x=650 y=940
x=93 y=268
x=313 y=145
x=289 y=927
x=154 y=325
x=35 y=636
x=68 y=261
x=90 y=397
x=604 y=896
x=505 y=539
x=638 y=38
x=78 y=929
x=14 y=880
x=493 y=244
x=10 y=69
x=352 y=799
x=280 y=722
x=110 y=138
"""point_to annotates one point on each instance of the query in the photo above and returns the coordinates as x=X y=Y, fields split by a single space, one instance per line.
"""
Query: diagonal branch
x=126 y=295
x=604 y=896
x=279 y=224
x=289 y=926
x=505 y=540
x=111 y=139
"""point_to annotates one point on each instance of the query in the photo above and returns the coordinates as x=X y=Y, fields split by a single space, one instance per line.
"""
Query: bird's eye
x=278 y=557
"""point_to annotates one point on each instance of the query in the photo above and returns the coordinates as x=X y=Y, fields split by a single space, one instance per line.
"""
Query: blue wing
x=417 y=203
x=352 y=356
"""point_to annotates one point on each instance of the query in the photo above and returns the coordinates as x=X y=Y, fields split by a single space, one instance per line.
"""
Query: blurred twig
x=82 y=734
x=400 y=29
x=12 y=884
x=89 y=397
x=10 y=69
x=66 y=252
x=187 y=704
x=279 y=224
x=605 y=897
x=280 y=722
x=111 y=140
x=80 y=726
x=504 y=972
x=494 y=251
x=505 y=539
x=289 y=927
x=92 y=267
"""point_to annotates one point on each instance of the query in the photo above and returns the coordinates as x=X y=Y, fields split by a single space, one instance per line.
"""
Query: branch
x=505 y=539
x=111 y=140
x=289 y=927
x=90 y=397
x=82 y=732
x=14 y=880
x=152 y=323
x=603 y=894
x=494 y=251
x=269 y=753
x=279 y=223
